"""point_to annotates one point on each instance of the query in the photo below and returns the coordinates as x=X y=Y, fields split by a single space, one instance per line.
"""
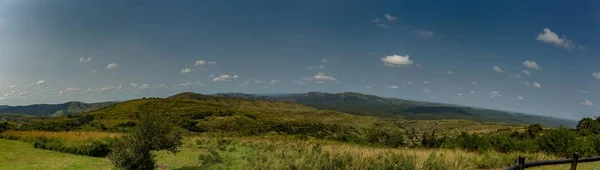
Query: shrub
x=557 y=141
x=152 y=133
x=469 y=142
x=207 y=160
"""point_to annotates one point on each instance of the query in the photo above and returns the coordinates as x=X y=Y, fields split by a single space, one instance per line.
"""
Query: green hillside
x=54 y=109
x=363 y=104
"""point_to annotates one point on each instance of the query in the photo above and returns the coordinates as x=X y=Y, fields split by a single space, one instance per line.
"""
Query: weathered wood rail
x=521 y=164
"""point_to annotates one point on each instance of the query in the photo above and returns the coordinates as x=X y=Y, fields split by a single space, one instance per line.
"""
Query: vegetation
x=151 y=133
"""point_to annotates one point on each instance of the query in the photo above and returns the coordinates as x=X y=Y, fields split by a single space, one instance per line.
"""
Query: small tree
x=151 y=133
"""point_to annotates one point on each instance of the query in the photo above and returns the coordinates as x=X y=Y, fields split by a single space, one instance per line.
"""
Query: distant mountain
x=364 y=104
x=54 y=109
x=3 y=106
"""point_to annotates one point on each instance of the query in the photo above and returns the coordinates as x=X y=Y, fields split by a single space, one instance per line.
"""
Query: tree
x=152 y=132
x=533 y=130
x=559 y=141
x=588 y=126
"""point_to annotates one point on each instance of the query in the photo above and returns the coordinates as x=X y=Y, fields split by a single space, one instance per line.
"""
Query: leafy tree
x=588 y=126
x=151 y=133
x=533 y=130
x=3 y=126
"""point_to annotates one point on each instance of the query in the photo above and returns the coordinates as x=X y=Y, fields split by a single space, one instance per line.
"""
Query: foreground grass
x=271 y=152
x=587 y=165
x=16 y=155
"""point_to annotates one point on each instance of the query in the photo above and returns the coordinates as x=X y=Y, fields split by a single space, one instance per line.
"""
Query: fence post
x=521 y=162
x=575 y=159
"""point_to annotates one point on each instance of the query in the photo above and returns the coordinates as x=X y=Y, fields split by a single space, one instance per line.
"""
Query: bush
x=557 y=141
x=207 y=160
x=151 y=133
x=469 y=142
x=90 y=147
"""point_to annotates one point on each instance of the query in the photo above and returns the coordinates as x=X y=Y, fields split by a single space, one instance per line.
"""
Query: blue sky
x=440 y=51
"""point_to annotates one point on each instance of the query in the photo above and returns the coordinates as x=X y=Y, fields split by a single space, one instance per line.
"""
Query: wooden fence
x=521 y=164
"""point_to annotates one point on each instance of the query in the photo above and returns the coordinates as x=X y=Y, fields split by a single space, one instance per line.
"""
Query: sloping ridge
x=364 y=104
x=54 y=109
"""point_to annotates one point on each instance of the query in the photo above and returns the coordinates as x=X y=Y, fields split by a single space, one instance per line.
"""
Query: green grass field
x=20 y=155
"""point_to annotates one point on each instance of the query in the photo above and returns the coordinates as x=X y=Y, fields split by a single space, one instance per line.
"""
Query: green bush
x=207 y=160
x=151 y=133
x=90 y=147
x=470 y=142
x=559 y=141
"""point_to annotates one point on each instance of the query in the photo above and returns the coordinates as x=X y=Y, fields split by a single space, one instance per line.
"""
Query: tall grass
x=69 y=136
x=287 y=153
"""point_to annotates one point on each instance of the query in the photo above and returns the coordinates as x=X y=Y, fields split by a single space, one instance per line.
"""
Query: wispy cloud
x=587 y=103
x=85 y=60
x=112 y=66
x=548 y=36
x=390 y=17
x=531 y=65
x=497 y=69
x=186 y=70
x=424 y=33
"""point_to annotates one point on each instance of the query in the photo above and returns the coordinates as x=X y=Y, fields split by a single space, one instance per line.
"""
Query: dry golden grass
x=70 y=136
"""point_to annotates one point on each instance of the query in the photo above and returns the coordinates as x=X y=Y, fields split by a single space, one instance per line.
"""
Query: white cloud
x=390 y=17
x=376 y=20
x=424 y=33
x=133 y=84
x=550 y=37
x=324 y=60
x=497 y=69
x=321 y=76
x=224 y=77
x=309 y=68
x=203 y=62
x=516 y=76
x=13 y=86
x=396 y=61
x=426 y=90
x=40 y=82
x=368 y=87
x=69 y=90
x=426 y=82
x=450 y=72
x=383 y=25
x=103 y=89
x=531 y=65
x=112 y=66
x=473 y=83
x=235 y=76
x=410 y=82
x=321 y=66
x=527 y=84
x=587 y=103
x=472 y=92
x=585 y=91
x=22 y=94
x=186 y=70
x=85 y=60
x=536 y=85
x=520 y=98
x=459 y=94
x=596 y=75
x=494 y=94
x=526 y=72
x=393 y=87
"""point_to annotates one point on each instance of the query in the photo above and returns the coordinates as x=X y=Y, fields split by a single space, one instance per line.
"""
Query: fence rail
x=521 y=164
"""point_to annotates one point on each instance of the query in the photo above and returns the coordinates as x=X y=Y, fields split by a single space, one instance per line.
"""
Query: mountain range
x=349 y=102
x=52 y=110
x=371 y=105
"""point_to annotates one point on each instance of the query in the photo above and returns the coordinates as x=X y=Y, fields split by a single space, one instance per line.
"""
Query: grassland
x=268 y=152
x=17 y=155
x=69 y=136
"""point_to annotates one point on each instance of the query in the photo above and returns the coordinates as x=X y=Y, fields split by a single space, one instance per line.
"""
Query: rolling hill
x=44 y=110
x=364 y=104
